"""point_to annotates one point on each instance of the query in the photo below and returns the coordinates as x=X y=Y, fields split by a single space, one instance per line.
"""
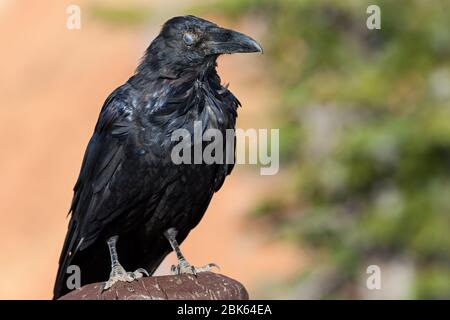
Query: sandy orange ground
x=53 y=82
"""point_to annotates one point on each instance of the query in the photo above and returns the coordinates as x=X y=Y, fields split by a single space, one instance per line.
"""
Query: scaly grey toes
x=174 y=269
x=185 y=268
x=118 y=273
x=208 y=267
x=116 y=278
x=139 y=273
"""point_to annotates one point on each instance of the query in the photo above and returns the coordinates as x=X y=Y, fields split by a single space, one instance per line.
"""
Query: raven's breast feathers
x=180 y=101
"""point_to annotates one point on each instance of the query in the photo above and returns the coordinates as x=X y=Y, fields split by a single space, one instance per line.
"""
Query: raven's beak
x=228 y=41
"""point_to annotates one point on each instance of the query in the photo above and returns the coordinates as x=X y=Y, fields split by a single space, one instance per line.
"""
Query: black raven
x=130 y=197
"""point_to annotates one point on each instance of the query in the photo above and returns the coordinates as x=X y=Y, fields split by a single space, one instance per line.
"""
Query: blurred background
x=364 y=118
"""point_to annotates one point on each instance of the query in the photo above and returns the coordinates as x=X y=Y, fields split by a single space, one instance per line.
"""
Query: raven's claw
x=118 y=273
x=185 y=268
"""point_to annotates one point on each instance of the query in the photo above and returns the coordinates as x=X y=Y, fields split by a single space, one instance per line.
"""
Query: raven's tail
x=65 y=260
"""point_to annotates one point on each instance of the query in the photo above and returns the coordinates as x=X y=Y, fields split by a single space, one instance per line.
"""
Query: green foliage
x=366 y=130
x=123 y=15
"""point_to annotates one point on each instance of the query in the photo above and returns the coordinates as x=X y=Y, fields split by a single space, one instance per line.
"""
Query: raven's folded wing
x=101 y=193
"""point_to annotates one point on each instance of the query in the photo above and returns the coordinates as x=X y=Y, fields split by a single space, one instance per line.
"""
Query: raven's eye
x=188 y=39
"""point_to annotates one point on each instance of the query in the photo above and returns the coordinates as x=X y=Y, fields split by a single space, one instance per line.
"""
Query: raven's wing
x=98 y=197
x=231 y=104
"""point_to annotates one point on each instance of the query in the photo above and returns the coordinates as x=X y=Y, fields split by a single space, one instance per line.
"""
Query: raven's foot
x=118 y=273
x=184 y=267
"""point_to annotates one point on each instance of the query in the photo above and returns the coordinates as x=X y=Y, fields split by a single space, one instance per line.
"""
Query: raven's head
x=189 y=42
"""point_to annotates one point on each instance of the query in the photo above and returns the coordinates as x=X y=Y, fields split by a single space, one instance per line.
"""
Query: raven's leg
x=183 y=266
x=118 y=273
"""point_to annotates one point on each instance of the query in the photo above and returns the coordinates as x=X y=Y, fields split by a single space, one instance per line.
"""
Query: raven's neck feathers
x=170 y=91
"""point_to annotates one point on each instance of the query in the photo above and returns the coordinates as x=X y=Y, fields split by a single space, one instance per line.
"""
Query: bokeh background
x=364 y=118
